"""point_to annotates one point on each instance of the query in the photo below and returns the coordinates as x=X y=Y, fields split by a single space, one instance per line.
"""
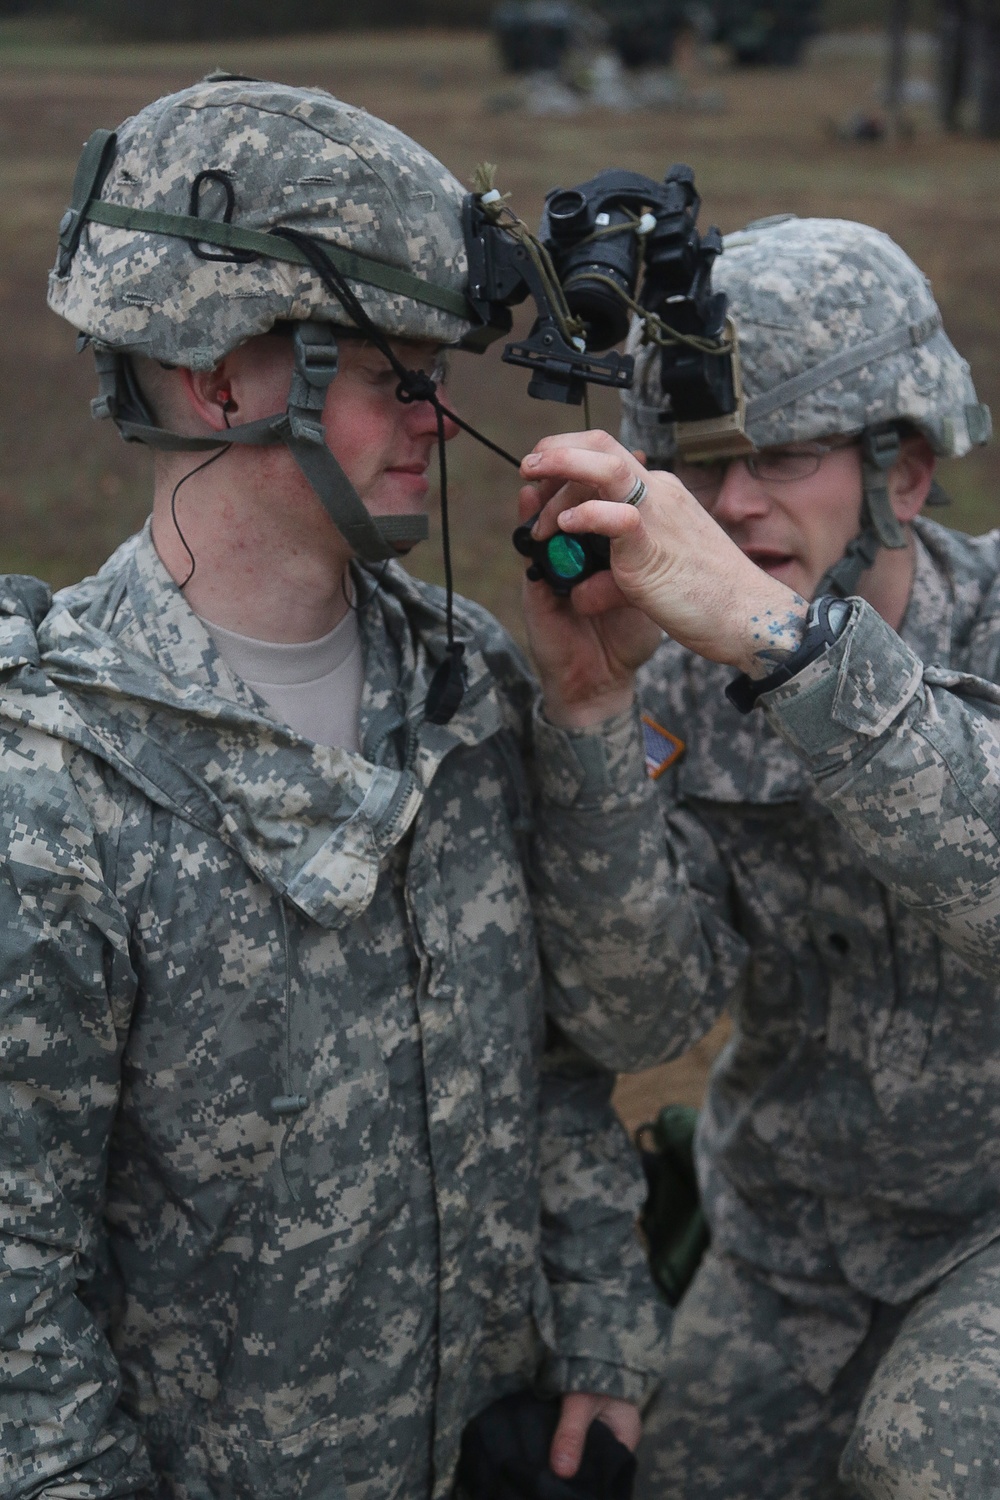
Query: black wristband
x=825 y=622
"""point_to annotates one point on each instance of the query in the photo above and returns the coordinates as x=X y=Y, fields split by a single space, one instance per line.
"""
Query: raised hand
x=668 y=557
x=586 y=647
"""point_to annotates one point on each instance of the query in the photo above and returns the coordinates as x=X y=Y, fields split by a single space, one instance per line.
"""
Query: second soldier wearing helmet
x=305 y=1179
x=837 y=804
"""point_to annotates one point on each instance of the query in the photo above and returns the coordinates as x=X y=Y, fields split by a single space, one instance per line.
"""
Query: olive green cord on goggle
x=655 y=331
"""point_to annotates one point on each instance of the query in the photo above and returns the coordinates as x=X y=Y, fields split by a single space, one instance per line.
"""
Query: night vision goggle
x=616 y=247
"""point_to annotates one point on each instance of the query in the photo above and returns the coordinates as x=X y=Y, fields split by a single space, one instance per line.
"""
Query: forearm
x=907 y=758
x=606 y=1324
x=630 y=947
x=61 y=1430
x=65 y=981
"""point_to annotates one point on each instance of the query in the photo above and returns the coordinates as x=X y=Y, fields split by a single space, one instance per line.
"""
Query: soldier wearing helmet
x=837 y=805
x=299 y=1176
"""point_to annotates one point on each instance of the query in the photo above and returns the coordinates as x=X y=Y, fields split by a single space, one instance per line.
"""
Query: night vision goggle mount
x=583 y=270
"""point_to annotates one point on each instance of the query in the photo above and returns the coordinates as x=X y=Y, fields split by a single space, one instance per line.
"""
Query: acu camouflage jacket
x=847 y=841
x=283 y=1200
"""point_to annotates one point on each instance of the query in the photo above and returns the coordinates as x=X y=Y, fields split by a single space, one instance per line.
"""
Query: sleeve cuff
x=857 y=688
x=559 y=1376
x=611 y=1341
x=600 y=767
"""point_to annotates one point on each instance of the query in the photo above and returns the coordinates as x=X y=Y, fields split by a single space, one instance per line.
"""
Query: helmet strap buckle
x=879 y=451
x=317 y=360
x=880 y=527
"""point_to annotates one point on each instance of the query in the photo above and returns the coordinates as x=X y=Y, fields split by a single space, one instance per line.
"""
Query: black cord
x=173 y=507
x=364 y=598
x=449 y=583
x=479 y=437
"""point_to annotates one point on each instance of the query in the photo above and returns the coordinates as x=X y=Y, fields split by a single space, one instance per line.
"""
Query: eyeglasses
x=770 y=466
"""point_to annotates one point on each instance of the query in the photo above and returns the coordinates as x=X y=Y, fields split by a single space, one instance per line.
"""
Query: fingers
x=578 y=1411
x=636 y=556
x=570 y=470
x=595 y=441
x=535 y=496
x=611 y=474
x=624 y=1420
x=606 y=517
x=564 y=497
x=596 y=595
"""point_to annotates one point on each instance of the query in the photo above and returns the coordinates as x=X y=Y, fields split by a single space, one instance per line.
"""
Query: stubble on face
x=796 y=531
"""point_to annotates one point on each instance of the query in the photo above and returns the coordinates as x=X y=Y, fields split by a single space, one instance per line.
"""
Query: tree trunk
x=954 y=23
x=988 y=100
x=899 y=15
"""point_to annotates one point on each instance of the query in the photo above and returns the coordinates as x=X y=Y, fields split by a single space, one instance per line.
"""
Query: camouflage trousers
x=783 y=1390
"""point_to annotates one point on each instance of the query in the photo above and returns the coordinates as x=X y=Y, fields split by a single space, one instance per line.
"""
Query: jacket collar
x=928 y=626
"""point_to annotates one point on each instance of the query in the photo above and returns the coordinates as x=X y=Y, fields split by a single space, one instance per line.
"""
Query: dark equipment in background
x=537 y=35
x=774 y=34
x=899 y=20
x=534 y=36
x=643 y=32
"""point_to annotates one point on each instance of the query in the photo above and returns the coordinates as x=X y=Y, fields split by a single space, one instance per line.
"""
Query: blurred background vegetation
x=199 y=19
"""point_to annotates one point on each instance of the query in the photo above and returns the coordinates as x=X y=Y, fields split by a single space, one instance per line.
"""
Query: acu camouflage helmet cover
x=838 y=333
x=263 y=156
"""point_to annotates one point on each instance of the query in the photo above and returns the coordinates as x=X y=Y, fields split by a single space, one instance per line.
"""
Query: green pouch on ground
x=672 y=1220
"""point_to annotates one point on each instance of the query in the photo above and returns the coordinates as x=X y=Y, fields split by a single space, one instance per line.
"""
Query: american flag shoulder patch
x=662 y=748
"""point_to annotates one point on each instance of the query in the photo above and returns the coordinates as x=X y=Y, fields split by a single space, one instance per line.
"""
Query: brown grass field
x=69 y=491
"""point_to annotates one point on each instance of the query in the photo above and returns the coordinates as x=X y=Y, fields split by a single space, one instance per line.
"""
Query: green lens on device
x=567 y=558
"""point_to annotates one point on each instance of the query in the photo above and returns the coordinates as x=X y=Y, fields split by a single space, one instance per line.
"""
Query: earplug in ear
x=225 y=399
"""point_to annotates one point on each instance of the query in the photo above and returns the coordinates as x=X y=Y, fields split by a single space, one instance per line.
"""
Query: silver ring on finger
x=636 y=494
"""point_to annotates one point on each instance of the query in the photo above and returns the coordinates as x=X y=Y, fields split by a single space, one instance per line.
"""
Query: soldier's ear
x=208 y=394
x=911 y=477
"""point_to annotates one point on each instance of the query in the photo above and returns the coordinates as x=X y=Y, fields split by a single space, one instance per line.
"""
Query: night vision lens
x=563 y=561
x=610 y=256
x=568 y=212
x=590 y=232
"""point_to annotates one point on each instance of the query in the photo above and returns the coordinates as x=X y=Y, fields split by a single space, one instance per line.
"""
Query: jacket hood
x=120 y=666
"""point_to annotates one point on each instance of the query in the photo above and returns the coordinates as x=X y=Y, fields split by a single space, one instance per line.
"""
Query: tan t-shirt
x=312 y=686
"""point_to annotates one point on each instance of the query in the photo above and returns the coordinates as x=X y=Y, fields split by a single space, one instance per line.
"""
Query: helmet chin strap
x=879 y=524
